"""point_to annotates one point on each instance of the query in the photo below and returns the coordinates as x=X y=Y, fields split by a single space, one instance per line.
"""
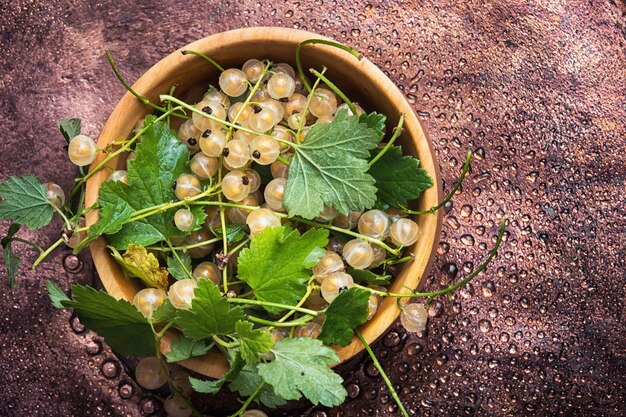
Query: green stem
x=239 y=246
x=180 y=261
x=399 y=260
x=224 y=343
x=277 y=305
x=165 y=97
x=165 y=329
x=169 y=104
x=451 y=288
x=223 y=225
x=68 y=225
x=396 y=133
x=47 y=252
x=336 y=89
x=299 y=322
x=383 y=375
x=29 y=243
x=205 y=57
x=221 y=204
x=283 y=160
x=309 y=290
x=127 y=86
x=449 y=196
x=247 y=403
x=307 y=104
x=149 y=211
x=318 y=41
x=378 y=242
x=184 y=248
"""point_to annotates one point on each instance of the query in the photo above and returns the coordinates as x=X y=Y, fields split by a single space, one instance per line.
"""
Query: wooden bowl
x=359 y=79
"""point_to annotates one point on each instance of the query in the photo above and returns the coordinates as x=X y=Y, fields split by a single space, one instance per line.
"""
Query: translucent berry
x=184 y=220
x=264 y=149
x=253 y=69
x=218 y=97
x=276 y=106
x=315 y=301
x=55 y=194
x=284 y=68
x=333 y=284
x=82 y=150
x=344 y=106
x=235 y=186
x=358 y=254
x=373 y=304
x=274 y=192
x=375 y=223
x=325 y=119
x=379 y=255
x=74 y=238
x=120 y=175
x=414 y=317
x=189 y=135
x=236 y=153
x=404 y=232
x=311 y=330
x=279 y=169
x=239 y=113
x=148 y=300
x=239 y=215
x=202 y=166
x=233 y=82
x=244 y=136
x=207 y=270
x=328 y=265
x=260 y=219
x=255 y=179
x=347 y=222
x=176 y=406
x=181 y=293
x=323 y=103
x=211 y=108
x=149 y=373
x=212 y=142
x=281 y=86
x=254 y=413
x=281 y=132
x=187 y=186
x=263 y=118
x=294 y=120
x=327 y=214
x=213 y=220
x=296 y=104
x=199 y=237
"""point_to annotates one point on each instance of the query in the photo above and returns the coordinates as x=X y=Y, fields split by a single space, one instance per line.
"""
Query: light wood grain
x=360 y=79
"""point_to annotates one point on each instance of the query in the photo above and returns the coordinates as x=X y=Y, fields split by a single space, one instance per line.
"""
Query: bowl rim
x=214 y=364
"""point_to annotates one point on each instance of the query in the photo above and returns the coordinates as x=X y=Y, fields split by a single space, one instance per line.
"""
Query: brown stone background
x=536 y=88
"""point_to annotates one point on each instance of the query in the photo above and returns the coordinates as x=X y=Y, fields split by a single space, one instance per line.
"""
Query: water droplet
x=125 y=390
x=466 y=210
x=94 y=347
x=488 y=288
x=371 y=370
x=467 y=240
x=392 y=339
x=485 y=326
x=353 y=390
x=110 y=369
x=435 y=308
x=414 y=349
x=76 y=325
x=73 y=264
x=356 y=33
x=150 y=405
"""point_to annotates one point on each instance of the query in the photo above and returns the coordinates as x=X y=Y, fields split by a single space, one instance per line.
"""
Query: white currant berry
x=187 y=186
x=188 y=134
x=414 y=317
x=235 y=186
x=375 y=223
x=263 y=118
x=236 y=153
x=348 y=221
x=327 y=214
x=148 y=300
x=196 y=238
x=358 y=253
x=82 y=150
x=254 y=413
x=253 y=69
x=310 y=329
x=315 y=301
x=276 y=106
x=184 y=220
x=233 y=82
x=281 y=86
x=212 y=142
x=202 y=166
x=404 y=232
x=239 y=215
x=344 y=106
x=279 y=169
x=211 y=108
x=284 y=68
x=218 y=97
x=240 y=113
x=296 y=104
x=328 y=265
x=176 y=406
x=74 y=238
x=274 y=194
x=335 y=283
x=259 y=220
x=281 y=132
x=55 y=194
x=244 y=136
x=209 y=271
x=379 y=255
x=181 y=293
x=264 y=149
x=120 y=175
x=294 y=120
x=149 y=373
x=323 y=102
x=213 y=220
x=255 y=179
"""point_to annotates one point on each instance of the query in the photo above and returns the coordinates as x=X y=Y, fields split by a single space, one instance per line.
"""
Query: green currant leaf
x=56 y=294
x=234 y=232
x=330 y=168
x=214 y=386
x=11 y=260
x=121 y=325
x=160 y=159
x=210 y=314
x=176 y=269
x=24 y=201
x=166 y=312
x=184 y=348
x=138 y=263
x=301 y=368
x=69 y=128
x=343 y=315
x=277 y=264
x=399 y=179
x=364 y=275
x=246 y=383
x=375 y=121
x=252 y=342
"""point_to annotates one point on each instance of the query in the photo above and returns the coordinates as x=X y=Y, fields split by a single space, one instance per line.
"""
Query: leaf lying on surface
x=23 y=200
x=137 y=262
x=56 y=294
x=343 y=315
x=69 y=128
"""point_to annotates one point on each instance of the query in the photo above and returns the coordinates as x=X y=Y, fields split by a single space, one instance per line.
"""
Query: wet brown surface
x=538 y=91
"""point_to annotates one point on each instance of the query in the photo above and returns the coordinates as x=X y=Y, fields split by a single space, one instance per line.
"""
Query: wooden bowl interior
x=361 y=80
